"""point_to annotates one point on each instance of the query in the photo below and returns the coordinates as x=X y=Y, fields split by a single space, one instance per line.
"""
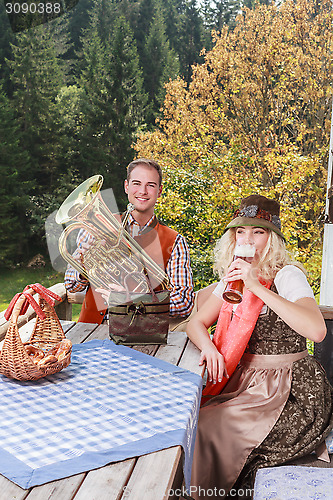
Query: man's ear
x=160 y=191
x=126 y=186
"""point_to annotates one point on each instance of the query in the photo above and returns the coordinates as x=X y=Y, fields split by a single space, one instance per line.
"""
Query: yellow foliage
x=254 y=118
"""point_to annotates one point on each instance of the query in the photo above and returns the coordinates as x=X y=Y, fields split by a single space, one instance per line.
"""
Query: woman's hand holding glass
x=239 y=269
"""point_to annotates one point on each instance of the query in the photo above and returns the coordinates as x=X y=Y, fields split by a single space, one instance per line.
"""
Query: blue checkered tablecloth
x=109 y=404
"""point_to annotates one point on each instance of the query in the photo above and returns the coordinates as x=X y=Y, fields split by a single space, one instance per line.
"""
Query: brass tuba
x=113 y=258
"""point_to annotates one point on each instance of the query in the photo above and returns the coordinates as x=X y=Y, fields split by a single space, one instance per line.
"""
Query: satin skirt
x=234 y=423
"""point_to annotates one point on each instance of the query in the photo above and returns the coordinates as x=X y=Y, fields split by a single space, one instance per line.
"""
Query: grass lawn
x=13 y=281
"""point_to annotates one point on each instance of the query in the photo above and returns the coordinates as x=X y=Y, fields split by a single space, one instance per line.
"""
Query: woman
x=277 y=405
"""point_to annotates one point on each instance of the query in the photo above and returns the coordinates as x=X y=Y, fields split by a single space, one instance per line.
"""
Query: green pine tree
x=6 y=38
x=76 y=23
x=225 y=12
x=160 y=63
x=173 y=11
x=191 y=39
x=37 y=78
x=94 y=74
x=250 y=4
x=114 y=104
x=147 y=10
x=129 y=99
x=207 y=12
x=14 y=202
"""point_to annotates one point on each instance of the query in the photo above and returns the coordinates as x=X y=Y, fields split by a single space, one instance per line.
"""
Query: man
x=143 y=187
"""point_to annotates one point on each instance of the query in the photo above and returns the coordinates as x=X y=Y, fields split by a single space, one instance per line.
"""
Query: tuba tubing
x=114 y=255
x=110 y=267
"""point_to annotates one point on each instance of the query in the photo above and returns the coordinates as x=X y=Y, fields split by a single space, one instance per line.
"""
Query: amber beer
x=233 y=292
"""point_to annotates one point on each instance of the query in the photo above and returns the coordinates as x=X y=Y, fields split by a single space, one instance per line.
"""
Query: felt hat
x=259 y=211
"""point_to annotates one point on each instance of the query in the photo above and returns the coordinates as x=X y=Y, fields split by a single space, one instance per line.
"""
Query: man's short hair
x=148 y=163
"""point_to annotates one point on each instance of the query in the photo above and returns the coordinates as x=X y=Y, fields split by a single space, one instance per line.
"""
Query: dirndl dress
x=276 y=407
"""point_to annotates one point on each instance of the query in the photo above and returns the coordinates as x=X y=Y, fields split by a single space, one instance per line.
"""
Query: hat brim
x=254 y=221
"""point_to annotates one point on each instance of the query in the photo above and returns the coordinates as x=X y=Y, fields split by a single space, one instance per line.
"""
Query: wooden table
x=148 y=477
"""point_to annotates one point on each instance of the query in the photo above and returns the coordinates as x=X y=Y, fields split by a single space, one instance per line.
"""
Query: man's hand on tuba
x=106 y=293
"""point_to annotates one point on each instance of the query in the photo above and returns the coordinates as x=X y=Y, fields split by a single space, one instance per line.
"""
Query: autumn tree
x=255 y=118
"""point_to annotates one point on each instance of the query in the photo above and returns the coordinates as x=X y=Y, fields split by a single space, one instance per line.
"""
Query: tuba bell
x=112 y=259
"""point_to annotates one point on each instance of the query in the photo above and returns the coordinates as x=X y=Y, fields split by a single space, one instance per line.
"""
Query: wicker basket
x=14 y=360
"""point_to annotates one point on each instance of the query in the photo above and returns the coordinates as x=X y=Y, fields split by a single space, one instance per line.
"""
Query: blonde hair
x=274 y=256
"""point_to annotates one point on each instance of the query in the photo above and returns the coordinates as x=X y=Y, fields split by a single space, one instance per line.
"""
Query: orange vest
x=158 y=238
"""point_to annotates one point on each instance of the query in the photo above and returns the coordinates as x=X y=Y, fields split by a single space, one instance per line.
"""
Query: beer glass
x=233 y=292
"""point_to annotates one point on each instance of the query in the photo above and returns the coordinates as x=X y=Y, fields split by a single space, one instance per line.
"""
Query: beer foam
x=245 y=250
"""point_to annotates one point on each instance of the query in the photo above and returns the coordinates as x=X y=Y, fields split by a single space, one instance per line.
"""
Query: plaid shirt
x=178 y=270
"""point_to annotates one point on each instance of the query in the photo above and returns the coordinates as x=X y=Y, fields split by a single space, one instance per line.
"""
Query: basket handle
x=45 y=293
x=12 y=303
x=19 y=305
x=20 y=302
